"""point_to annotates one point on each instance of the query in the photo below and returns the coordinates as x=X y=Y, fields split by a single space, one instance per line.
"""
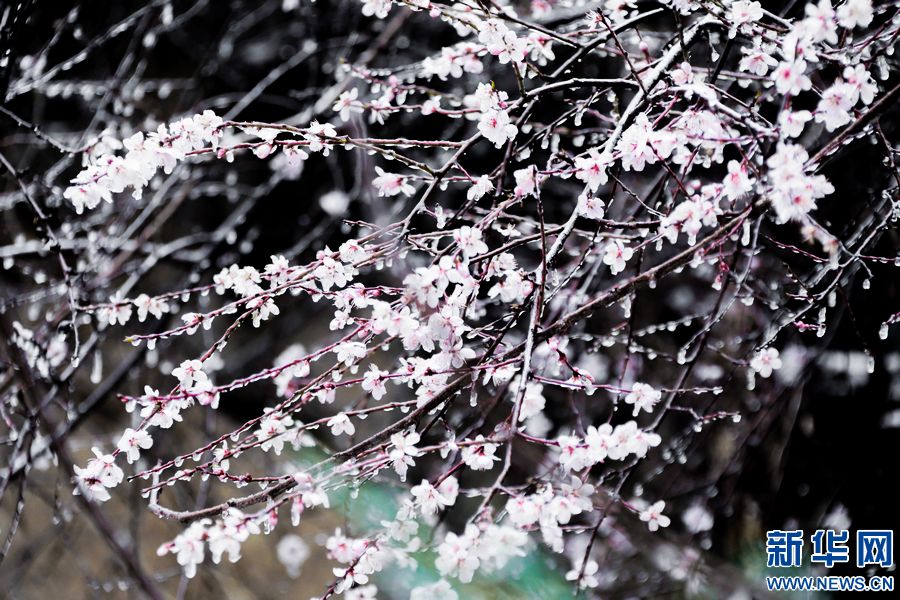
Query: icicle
x=97 y=369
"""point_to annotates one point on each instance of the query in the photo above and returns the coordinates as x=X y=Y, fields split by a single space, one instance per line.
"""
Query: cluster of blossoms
x=223 y=537
x=477 y=344
x=100 y=474
x=486 y=550
x=794 y=192
x=109 y=174
x=550 y=508
x=605 y=443
x=494 y=122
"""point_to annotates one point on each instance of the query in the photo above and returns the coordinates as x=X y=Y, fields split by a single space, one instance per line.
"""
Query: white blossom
x=653 y=516
x=643 y=397
x=341 y=423
x=616 y=256
x=132 y=442
x=765 y=362
x=479 y=456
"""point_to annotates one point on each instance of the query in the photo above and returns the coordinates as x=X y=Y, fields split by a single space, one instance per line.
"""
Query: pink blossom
x=391 y=184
